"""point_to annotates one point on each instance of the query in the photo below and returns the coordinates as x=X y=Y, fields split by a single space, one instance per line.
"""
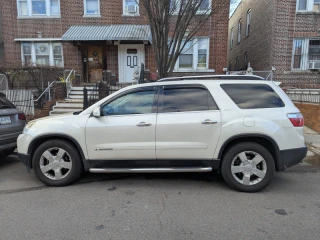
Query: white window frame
x=194 y=68
x=48 y=13
x=34 y=55
x=310 y=6
x=124 y=9
x=248 y=23
x=91 y=14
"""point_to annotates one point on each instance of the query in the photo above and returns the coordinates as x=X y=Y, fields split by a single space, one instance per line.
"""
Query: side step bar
x=150 y=170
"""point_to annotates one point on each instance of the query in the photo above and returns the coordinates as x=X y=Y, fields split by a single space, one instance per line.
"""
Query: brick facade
x=274 y=25
x=72 y=14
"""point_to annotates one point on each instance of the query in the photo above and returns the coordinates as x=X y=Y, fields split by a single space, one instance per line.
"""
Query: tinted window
x=132 y=103
x=252 y=96
x=187 y=99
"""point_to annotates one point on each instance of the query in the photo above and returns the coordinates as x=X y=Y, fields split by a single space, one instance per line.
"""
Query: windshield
x=4 y=103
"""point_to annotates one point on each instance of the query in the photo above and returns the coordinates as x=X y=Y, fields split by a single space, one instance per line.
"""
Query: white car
x=243 y=126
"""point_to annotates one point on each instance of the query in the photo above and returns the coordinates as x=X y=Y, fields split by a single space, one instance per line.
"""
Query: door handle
x=208 y=122
x=143 y=124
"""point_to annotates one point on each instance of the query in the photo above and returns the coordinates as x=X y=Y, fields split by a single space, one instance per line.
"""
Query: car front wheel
x=248 y=167
x=57 y=163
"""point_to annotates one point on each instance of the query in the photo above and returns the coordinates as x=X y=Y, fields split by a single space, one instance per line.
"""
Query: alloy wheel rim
x=249 y=168
x=55 y=163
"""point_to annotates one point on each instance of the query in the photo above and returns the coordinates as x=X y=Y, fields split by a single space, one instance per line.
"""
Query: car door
x=188 y=124
x=126 y=129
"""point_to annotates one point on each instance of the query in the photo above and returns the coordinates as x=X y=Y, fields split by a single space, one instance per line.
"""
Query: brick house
x=284 y=34
x=98 y=36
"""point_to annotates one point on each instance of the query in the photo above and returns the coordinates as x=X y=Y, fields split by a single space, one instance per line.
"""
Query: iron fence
x=268 y=75
x=98 y=92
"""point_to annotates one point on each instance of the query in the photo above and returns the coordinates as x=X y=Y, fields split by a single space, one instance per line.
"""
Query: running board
x=150 y=170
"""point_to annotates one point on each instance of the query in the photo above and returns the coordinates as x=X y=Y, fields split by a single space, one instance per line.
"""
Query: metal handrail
x=69 y=83
x=48 y=88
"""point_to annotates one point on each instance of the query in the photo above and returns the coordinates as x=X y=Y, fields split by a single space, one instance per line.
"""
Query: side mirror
x=96 y=112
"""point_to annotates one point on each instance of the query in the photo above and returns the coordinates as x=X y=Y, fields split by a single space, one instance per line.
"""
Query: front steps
x=73 y=103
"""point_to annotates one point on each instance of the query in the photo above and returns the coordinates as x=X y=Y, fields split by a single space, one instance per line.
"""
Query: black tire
x=7 y=152
x=232 y=153
x=75 y=171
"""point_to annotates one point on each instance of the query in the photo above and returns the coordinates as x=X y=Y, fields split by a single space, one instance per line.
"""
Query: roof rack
x=214 y=77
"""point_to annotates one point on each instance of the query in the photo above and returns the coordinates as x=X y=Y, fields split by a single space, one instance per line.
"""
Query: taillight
x=21 y=116
x=296 y=119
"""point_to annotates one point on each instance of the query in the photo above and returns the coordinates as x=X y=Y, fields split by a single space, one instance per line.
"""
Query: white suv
x=242 y=126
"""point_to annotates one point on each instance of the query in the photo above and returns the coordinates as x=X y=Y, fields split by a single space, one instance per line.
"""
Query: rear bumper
x=26 y=160
x=291 y=157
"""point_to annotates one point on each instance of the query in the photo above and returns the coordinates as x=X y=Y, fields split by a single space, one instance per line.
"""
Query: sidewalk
x=312 y=139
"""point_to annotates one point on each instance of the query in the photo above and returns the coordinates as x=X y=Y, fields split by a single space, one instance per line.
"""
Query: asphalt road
x=158 y=206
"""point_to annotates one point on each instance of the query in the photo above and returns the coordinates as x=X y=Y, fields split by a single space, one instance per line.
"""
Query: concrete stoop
x=73 y=103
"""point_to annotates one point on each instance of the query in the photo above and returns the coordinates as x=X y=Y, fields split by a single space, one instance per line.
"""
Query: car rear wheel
x=57 y=163
x=7 y=152
x=248 y=167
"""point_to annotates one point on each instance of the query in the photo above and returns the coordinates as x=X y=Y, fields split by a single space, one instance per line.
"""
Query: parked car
x=12 y=122
x=243 y=126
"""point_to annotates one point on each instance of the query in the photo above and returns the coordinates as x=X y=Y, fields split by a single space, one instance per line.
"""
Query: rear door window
x=253 y=96
x=186 y=99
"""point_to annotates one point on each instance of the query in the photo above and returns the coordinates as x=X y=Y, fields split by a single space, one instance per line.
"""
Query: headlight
x=29 y=125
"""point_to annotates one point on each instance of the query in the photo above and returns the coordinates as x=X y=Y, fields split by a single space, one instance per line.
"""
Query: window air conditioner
x=314 y=65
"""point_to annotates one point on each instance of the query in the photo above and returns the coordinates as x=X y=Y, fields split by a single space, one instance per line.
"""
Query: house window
x=26 y=53
x=239 y=31
x=186 y=56
x=42 y=54
x=91 y=7
x=202 y=53
x=316 y=5
x=306 y=54
x=38 y=8
x=308 y=5
x=237 y=63
x=194 y=56
x=248 y=22
x=231 y=38
x=204 y=7
x=130 y=7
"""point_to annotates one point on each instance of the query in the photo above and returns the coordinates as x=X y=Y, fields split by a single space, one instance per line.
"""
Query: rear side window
x=186 y=99
x=253 y=96
x=4 y=103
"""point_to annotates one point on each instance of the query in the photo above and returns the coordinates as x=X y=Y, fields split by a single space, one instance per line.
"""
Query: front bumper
x=291 y=157
x=26 y=160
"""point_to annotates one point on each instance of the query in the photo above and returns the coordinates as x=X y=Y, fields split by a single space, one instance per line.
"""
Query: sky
x=234 y=6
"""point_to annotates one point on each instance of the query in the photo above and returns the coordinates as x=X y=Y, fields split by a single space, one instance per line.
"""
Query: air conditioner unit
x=314 y=65
x=132 y=8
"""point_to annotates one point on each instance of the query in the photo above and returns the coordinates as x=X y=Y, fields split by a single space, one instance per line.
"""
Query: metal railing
x=69 y=81
x=304 y=95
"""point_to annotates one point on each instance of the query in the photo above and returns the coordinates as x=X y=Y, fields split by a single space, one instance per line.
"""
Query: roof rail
x=213 y=77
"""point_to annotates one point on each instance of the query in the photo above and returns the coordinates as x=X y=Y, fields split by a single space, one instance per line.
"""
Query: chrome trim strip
x=150 y=170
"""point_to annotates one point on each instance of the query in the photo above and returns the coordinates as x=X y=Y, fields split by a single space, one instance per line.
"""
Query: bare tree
x=174 y=24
